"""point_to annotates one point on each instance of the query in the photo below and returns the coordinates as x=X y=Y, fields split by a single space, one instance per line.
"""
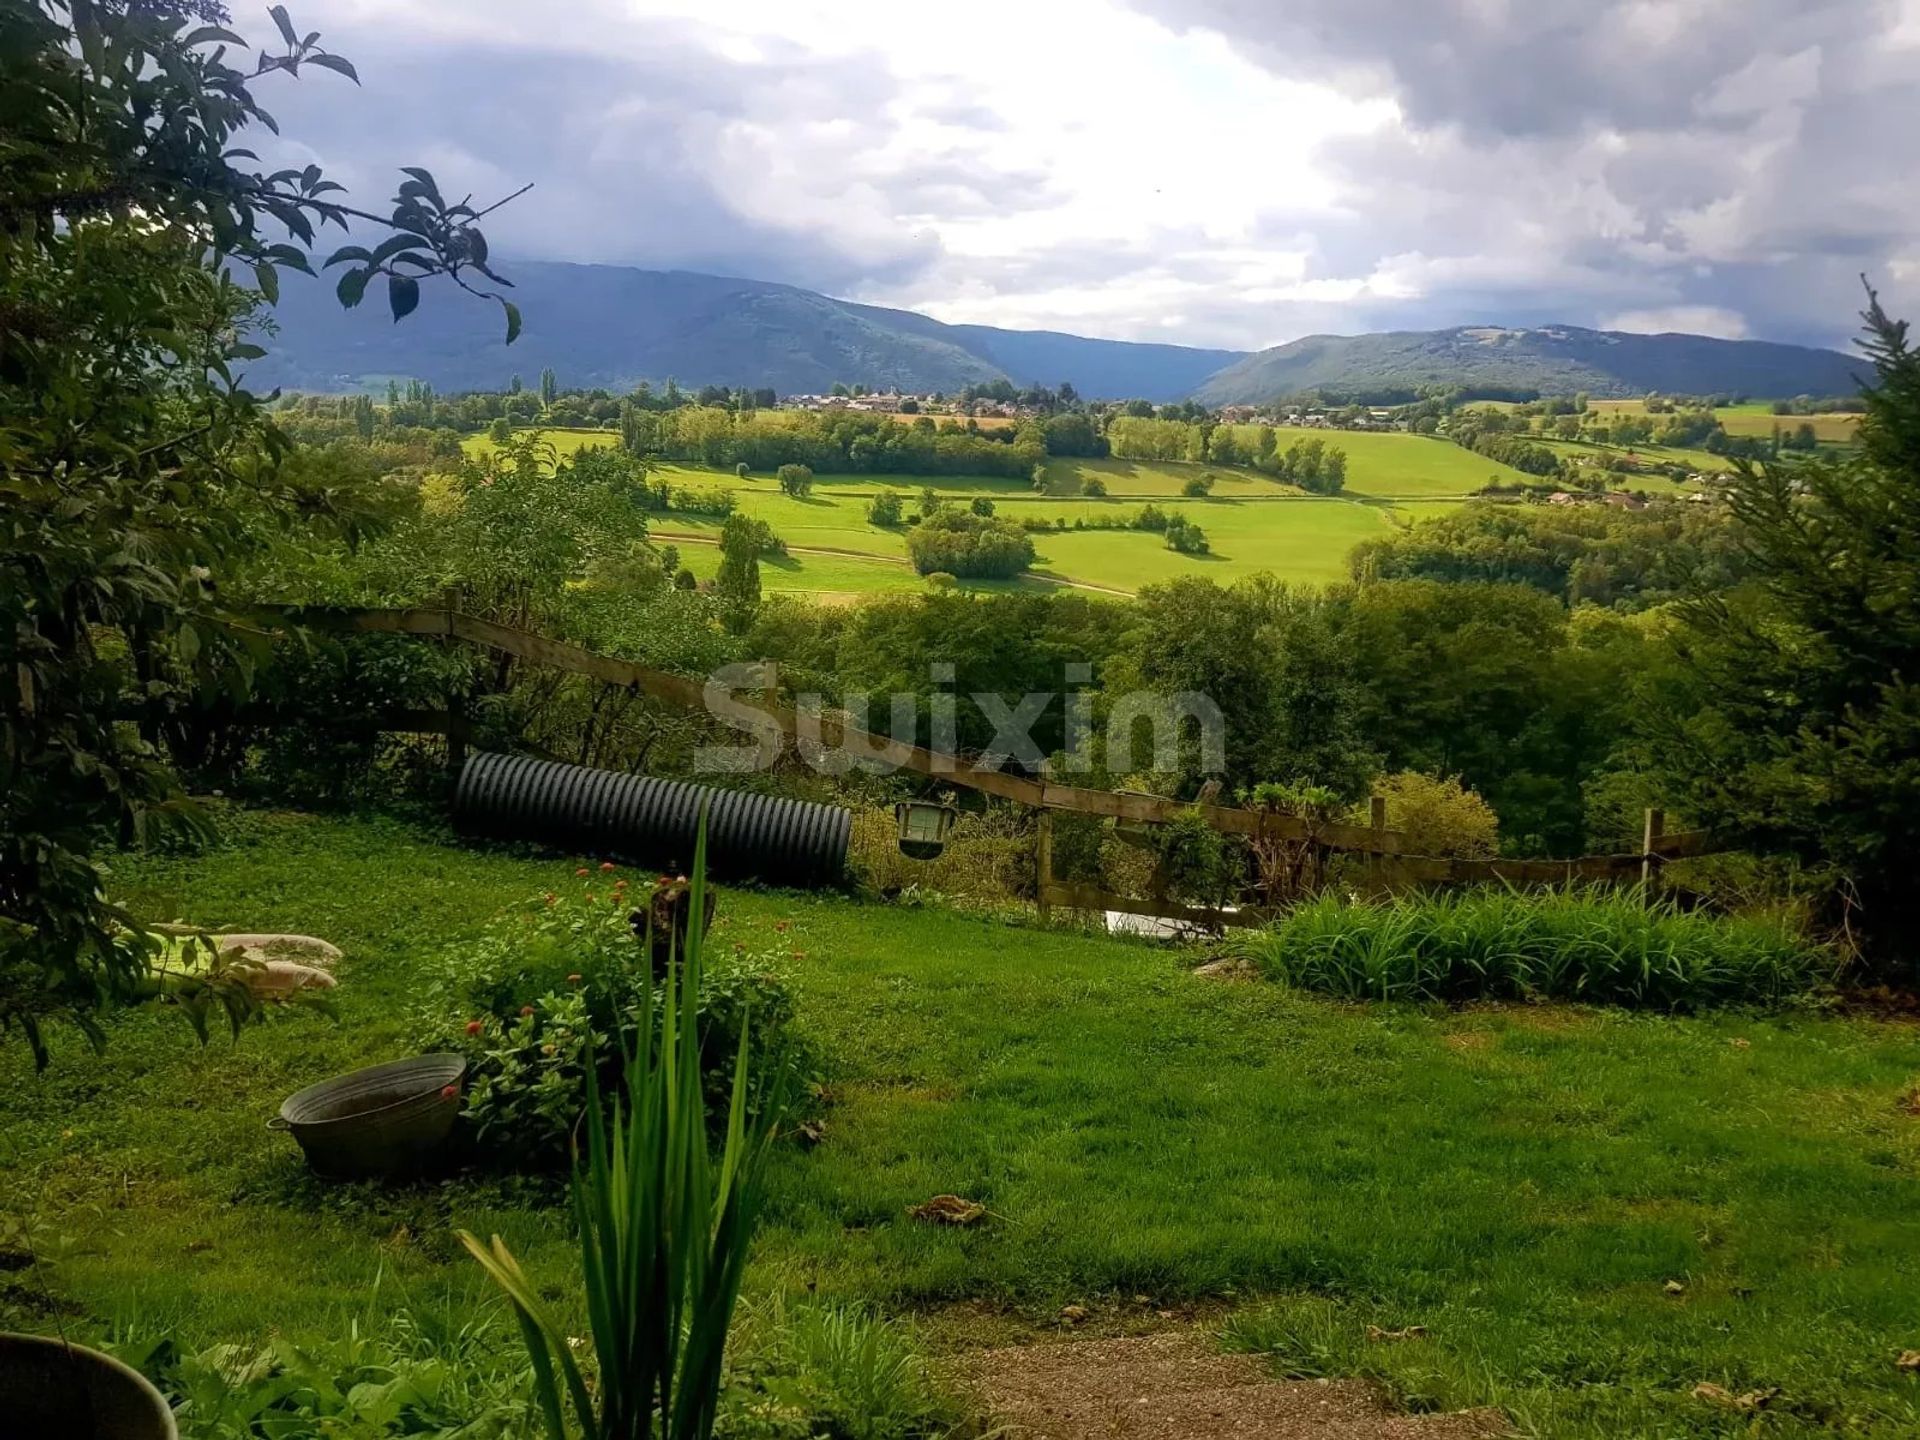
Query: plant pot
x=51 y=1390
x=386 y=1121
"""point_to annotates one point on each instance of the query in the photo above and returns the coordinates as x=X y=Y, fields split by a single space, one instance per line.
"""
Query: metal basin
x=387 y=1120
x=51 y=1390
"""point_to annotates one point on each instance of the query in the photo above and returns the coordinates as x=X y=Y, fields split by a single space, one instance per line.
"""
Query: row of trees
x=1311 y=463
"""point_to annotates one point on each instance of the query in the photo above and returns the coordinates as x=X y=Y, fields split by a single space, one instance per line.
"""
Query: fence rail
x=1392 y=860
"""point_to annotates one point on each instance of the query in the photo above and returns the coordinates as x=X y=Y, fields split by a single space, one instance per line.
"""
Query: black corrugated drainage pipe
x=651 y=822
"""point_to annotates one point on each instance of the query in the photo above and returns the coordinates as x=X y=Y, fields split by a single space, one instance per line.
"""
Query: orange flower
x=581 y=871
x=781 y=925
x=526 y=1010
x=552 y=899
x=574 y=979
x=447 y=1092
x=474 y=1027
x=606 y=867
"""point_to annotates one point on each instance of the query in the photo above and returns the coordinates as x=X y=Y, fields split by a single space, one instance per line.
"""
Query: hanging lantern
x=924 y=827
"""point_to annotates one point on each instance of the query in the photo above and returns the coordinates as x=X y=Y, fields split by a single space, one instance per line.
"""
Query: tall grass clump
x=1605 y=947
x=664 y=1225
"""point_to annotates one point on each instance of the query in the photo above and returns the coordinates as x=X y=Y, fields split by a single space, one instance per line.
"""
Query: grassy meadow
x=1252 y=522
x=1754 y=418
x=1589 y=1211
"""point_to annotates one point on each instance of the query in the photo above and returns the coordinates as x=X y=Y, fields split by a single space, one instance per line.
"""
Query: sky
x=1232 y=173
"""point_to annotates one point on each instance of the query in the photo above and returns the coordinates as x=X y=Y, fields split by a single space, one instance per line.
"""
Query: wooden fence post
x=1376 y=861
x=1655 y=831
x=1043 y=850
x=456 y=695
x=456 y=732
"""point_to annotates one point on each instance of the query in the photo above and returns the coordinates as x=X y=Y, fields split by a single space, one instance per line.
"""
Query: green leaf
x=403 y=294
x=392 y=246
x=513 y=320
x=336 y=64
x=208 y=35
x=353 y=284
x=279 y=14
x=347 y=252
x=269 y=281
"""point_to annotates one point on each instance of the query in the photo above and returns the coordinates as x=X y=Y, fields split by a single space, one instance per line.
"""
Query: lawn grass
x=1529 y=1184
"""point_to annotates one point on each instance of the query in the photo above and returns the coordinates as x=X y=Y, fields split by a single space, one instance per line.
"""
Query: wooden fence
x=1390 y=862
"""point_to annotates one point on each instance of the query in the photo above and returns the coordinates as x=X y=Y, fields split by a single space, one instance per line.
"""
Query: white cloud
x=1681 y=319
x=1231 y=172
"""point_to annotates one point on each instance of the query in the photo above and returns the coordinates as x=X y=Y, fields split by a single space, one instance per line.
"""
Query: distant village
x=894 y=402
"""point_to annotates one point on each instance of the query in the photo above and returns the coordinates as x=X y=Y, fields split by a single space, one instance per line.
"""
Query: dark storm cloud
x=1533 y=67
x=635 y=155
x=1579 y=159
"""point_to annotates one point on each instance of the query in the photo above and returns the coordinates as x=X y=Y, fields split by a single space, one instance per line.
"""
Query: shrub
x=1093 y=485
x=416 y=1374
x=941 y=580
x=740 y=470
x=795 y=480
x=690 y=501
x=1602 y=947
x=1198 y=486
x=555 y=987
x=1195 y=866
x=1439 y=816
x=884 y=508
x=1185 y=536
x=970 y=546
x=981 y=506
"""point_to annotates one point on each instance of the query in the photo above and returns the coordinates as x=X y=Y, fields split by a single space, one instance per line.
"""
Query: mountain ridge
x=1546 y=359
x=615 y=325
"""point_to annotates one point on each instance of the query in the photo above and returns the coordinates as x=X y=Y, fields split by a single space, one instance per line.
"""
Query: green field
x=1277 y=529
x=1753 y=418
x=1253 y=523
x=1590 y=1211
x=1391 y=465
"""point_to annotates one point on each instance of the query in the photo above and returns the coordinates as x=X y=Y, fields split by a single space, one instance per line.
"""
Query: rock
x=305 y=949
x=282 y=979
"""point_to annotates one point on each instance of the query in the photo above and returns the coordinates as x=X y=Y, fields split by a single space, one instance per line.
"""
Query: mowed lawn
x=1590 y=1212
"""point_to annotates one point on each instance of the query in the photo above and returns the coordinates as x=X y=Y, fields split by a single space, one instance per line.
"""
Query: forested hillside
x=1555 y=360
x=611 y=325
